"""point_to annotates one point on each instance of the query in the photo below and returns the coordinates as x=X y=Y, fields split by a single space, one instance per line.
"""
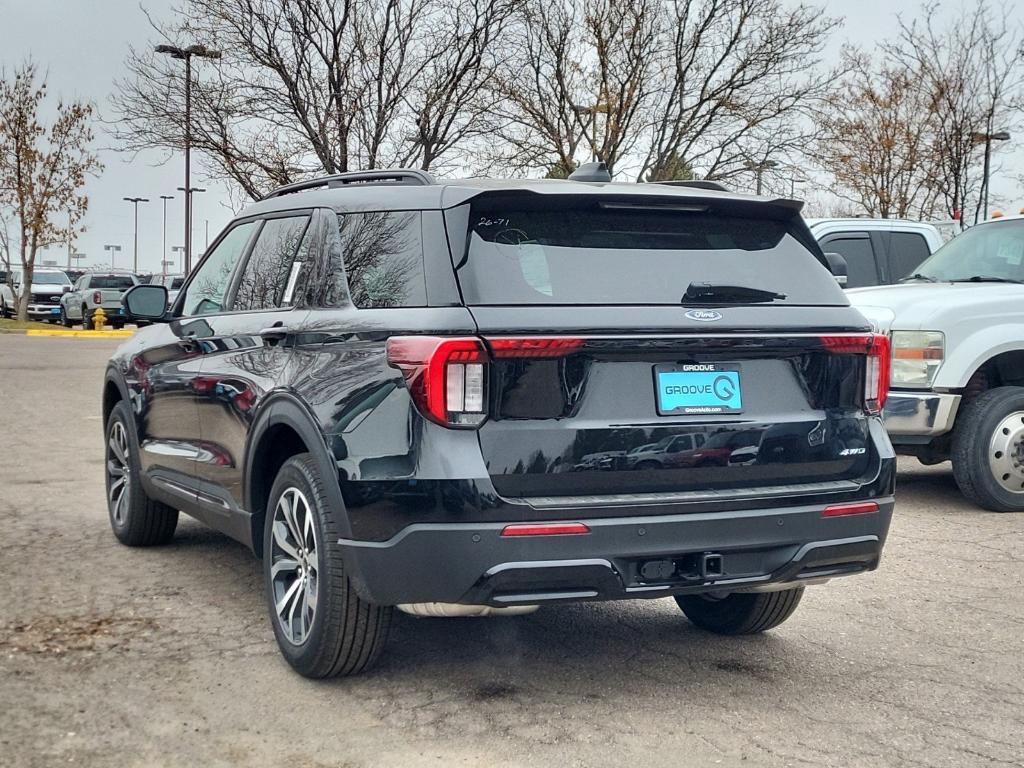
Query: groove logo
x=699 y=391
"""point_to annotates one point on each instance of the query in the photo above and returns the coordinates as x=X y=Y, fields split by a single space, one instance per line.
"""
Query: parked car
x=877 y=251
x=94 y=290
x=172 y=283
x=417 y=394
x=44 y=301
x=957 y=328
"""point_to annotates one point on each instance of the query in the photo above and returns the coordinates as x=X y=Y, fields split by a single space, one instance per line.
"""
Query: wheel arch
x=285 y=428
x=114 y=390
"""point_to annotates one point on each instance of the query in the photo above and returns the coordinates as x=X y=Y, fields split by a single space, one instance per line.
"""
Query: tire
x=741 y=613
x=988 y=450
x=86 y=320
x=342 y=634
x=64 y=319
x=4 y=311
x=136 y=519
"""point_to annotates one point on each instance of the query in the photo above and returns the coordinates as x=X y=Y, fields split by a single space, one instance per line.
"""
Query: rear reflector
x=857 y=508
x=545 y=529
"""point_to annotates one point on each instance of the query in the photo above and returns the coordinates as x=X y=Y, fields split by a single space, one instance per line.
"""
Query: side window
x=383 y=258
x=860 y=258
x=82 y=282
x=206 y=290
x=262 y=283
x=906 y=252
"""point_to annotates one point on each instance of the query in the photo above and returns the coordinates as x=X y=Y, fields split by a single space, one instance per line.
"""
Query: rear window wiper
x=919 y=276
x=708 y=293
x=985 y=279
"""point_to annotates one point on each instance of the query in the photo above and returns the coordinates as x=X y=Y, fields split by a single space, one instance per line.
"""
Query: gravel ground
x=120 y=657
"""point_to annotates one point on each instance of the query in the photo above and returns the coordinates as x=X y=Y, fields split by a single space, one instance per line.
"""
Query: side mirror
x=837 y=266
x=145 y=302
x=66 y=289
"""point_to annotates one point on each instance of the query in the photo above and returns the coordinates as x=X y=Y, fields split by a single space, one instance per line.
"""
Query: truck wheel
x=4 y=311
x=988 y=450
x=64 y=319
x=741 y=613
x=323 y=628
x=137 y=520
x=86 y=320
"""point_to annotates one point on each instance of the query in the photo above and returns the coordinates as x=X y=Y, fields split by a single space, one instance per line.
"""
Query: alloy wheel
x=1006 y=453
x=294 y=570
x=118 y=473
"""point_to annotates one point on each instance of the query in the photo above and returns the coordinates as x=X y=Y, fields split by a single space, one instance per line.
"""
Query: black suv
x=402 y=392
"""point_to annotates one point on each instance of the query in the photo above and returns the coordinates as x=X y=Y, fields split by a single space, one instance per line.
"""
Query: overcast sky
x=83 y=44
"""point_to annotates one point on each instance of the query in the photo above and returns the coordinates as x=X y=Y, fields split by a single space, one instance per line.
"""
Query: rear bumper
x=919 y=414
x=760 y=549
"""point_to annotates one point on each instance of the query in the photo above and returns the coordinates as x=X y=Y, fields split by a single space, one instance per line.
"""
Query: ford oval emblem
x=704 y=315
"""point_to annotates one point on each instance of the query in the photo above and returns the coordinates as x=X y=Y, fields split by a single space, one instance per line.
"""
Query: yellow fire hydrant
x=99 y=317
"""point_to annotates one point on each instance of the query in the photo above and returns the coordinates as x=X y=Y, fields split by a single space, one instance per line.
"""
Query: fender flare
x=285 y=408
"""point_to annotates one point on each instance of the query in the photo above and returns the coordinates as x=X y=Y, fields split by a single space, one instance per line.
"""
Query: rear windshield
x=573 y=250
x=111 y=282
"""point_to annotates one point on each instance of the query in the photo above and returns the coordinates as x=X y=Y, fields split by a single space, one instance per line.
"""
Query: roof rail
x=696 y=183
x=405 y=176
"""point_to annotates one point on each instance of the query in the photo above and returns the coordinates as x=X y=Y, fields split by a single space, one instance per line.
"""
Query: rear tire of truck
x=322 y=626
x=136 y=519
x=86 y=321
x=741 y=613
x=988 y=450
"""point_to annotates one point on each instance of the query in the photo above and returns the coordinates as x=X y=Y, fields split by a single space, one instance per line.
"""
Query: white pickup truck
x=957 y=380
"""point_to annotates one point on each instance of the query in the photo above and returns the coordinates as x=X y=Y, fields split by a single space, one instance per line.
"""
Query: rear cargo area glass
x=566 y=250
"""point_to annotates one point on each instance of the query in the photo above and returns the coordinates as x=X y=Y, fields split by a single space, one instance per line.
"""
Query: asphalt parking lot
x=112 y=656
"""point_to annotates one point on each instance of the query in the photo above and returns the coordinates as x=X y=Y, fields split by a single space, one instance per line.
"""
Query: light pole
x=759 y=168
x=188 y=234
x=163 y=253
x=988 y=138
x=135 y=201
x=186 y=54
x=177 y=249
x=112 y=249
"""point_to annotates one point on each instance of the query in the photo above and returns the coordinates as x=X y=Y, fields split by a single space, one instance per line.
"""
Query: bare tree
x=876 y=140
x=43 y=168
x=579 y=75
x=742 y=77
x=316 y=86
x=971 y=71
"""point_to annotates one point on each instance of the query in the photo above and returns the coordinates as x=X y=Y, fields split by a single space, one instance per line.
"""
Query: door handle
x=275 y=332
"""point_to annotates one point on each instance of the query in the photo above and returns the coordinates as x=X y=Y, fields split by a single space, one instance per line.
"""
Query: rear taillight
x=876 y=370
x=447 y=377
x=97 y=297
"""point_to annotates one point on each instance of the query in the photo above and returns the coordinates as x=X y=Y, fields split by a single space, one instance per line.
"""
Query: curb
x=80 y=334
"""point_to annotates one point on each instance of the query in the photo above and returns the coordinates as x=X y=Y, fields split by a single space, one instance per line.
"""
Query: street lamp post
x=135 y=201
x=988 y=138
x=188 y=207
x=163 y=252
x=186 y=54
x=759 y=168
x=112 y=249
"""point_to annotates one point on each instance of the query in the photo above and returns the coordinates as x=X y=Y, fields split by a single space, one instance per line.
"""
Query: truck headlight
x=916 y=357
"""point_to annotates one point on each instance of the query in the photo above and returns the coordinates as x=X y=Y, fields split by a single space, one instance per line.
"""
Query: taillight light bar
x=447 y=376
x=97 y=297
x=876 y=371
